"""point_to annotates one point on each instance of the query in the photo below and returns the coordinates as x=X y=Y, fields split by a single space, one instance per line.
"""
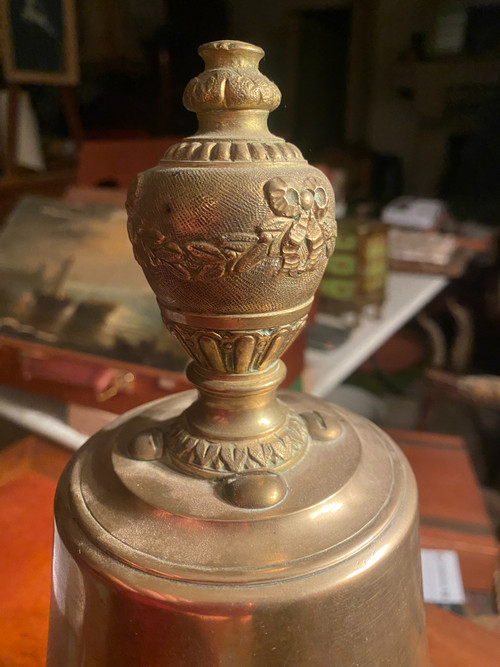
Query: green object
x=346 y=242
x=342 y=290
x=356 y=274
x=341 y=265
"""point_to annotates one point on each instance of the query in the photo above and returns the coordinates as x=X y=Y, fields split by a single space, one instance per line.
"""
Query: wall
x=272 y=24
x=391 y=119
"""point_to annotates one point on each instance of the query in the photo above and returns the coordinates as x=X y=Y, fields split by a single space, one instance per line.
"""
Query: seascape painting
x=68 y=278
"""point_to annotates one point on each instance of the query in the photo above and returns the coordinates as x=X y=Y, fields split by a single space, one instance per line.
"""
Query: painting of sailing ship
x=68 y=279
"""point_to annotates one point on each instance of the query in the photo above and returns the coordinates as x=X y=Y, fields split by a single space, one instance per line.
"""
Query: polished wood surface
x=452 y=512
x=117 y=161
x=457 y=642
x=149 y=383
x=28 y=474
x=29 y=470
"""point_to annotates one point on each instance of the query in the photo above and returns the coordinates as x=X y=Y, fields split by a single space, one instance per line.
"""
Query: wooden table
x=148 y=383
x=457 y=642
x=28 y=473
x=452 y=512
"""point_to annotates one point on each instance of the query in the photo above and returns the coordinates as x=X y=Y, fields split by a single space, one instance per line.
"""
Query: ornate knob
x=231 y=80
x=233 y=230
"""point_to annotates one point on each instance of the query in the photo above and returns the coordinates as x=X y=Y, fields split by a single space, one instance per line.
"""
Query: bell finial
x=231 y=80
x=233 y=230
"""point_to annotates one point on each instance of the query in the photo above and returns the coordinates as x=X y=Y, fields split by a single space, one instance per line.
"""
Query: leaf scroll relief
x=272 y=451
x=227 y=88
x=302 y=233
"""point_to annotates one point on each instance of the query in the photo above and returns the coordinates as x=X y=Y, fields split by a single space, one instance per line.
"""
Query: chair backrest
x=115 y=163
x=455 y=354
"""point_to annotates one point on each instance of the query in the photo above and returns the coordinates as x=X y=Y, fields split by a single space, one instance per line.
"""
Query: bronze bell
x=229 y=525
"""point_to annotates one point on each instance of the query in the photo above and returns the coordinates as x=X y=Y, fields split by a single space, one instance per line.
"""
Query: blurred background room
x=396 y=101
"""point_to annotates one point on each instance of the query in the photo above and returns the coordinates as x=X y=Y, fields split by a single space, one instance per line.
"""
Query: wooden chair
x=448 y=378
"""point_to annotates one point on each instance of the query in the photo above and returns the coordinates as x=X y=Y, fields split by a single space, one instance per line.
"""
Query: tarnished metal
x=233 y=230
x=232 y=526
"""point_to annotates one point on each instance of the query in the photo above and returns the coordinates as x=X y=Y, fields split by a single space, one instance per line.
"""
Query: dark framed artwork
x=39 y=42
x=69 y=280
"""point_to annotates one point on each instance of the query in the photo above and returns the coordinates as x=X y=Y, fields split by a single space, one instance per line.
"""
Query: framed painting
x=68 y=280
x=39 y=42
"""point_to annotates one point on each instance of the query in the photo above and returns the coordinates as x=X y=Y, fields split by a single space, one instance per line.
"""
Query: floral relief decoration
x=302 y=232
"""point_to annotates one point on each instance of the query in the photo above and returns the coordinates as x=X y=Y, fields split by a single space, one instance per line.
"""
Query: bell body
x=153 y=567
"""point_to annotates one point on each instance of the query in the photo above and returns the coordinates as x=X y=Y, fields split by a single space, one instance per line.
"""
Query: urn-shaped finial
x=233 y=230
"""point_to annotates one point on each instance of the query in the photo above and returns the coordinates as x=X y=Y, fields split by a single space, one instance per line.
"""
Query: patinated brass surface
x=157 y=568
x=233 y=230
x=235 y=526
